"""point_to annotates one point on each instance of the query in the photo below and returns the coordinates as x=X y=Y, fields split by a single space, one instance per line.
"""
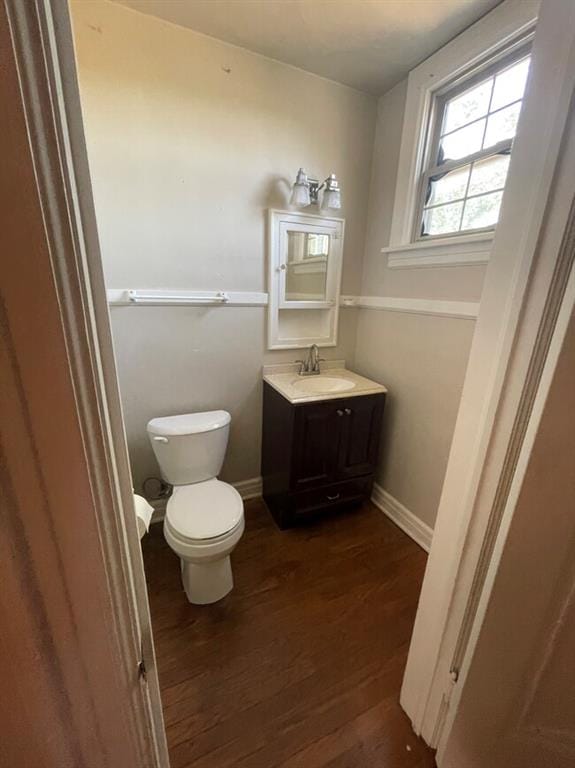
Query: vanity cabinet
x=320 y=455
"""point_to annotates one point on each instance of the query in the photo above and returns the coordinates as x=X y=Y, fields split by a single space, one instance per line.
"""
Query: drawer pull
x=339 y=413
x=348 y=411
x=333 y=498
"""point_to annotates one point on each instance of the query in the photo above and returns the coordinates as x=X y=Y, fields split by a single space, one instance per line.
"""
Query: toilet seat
x=204 y=512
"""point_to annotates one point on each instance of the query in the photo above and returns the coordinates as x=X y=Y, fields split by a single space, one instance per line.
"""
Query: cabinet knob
x=339 y=412
x=348 y=411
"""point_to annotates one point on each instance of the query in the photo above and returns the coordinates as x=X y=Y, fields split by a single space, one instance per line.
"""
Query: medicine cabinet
x=305 y=257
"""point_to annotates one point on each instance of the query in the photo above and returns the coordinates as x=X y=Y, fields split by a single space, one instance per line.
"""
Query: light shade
x=300 y=192
x=332 y=193
x=331 y=199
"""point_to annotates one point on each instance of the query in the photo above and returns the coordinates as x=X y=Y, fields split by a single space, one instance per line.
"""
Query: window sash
x=453 y=90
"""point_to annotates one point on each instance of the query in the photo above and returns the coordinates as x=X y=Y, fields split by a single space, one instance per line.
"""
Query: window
x=471 y=134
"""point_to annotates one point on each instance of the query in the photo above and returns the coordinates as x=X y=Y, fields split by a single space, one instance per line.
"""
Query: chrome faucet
x=310 y=366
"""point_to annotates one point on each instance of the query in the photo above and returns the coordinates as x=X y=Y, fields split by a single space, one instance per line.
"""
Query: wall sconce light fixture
x=306 y=191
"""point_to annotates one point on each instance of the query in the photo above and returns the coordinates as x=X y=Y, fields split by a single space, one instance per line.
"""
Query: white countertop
x=288 y=384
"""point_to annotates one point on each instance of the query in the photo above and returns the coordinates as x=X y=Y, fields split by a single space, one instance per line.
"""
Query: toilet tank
x=191 y=447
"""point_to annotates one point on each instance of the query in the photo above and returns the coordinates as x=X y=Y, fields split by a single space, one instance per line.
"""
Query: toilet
x=204 y=516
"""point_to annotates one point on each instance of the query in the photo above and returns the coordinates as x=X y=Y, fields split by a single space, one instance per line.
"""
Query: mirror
x=306 y=266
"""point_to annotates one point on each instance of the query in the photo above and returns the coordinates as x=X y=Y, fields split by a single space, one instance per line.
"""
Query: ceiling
x=366 y=44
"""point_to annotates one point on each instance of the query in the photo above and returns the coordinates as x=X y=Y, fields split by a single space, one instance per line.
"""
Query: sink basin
x=322 y=385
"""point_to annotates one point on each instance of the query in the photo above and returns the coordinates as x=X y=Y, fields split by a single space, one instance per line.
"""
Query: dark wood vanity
x=318 y=456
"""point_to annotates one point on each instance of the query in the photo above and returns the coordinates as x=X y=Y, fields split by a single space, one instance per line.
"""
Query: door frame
x=43 y=51
x=522 y=292
x=525 y=285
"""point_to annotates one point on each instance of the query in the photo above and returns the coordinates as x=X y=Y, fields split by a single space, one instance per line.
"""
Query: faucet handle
x=302 y=365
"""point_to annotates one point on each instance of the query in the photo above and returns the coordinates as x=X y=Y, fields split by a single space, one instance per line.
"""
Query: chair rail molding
x=465 y=310
x=122 y=297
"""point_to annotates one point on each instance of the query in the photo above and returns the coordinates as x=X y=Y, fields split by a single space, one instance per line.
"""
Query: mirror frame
x=279 y=223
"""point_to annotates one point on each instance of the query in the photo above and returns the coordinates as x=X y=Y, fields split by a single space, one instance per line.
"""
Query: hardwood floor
x=301 y=665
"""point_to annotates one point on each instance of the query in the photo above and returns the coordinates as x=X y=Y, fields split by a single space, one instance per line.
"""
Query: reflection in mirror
x=306 y=268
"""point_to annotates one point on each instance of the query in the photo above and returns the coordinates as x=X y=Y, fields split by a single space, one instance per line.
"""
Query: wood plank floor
x=301 y=665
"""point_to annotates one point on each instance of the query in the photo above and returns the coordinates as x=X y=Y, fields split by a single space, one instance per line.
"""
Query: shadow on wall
x=275 y=193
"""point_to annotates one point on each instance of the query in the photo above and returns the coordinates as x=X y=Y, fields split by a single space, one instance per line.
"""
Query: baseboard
x=248 y=489
x=415 y=528
x=159 y=512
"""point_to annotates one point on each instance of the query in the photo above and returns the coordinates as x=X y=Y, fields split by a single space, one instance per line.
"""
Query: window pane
x=510 y=84
x=463 y=142
x=502 y=125
x=469 y=106
x=482 y=211
x=488 y=174
x=444 y=218
x=449 y=187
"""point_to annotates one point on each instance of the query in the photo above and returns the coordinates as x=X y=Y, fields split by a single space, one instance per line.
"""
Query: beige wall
x=185 y=158
x=185 y=359
x=420 y=358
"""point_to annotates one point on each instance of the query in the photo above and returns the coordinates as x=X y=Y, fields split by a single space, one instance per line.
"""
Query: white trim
x=504 y=24
x=446 y=251
x=553 y=355
x=43 y=41
x=409 y=523
x=120 y=297
x=466 y=310
x=159 y=506
x=502 y=372
x=248 y=489
x=279 y=223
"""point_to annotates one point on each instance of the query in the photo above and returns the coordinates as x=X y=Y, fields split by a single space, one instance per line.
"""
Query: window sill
x=454 y=251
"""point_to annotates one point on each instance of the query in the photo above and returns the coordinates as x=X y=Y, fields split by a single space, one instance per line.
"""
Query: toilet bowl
x=204 y=516
x=203 y=524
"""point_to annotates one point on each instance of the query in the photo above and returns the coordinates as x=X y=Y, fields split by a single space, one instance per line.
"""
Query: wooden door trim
x=43 y=51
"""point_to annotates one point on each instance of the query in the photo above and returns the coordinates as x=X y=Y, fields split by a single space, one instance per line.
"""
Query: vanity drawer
x=332 y=495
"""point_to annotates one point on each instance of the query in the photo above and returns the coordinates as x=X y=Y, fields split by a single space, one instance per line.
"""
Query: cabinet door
x=361 y=429
x=316 y=445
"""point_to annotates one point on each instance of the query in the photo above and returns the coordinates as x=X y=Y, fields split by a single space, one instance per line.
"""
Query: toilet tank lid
x=189 y=423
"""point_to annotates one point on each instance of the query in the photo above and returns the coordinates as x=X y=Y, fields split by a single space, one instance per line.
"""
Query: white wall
x=185 y=158
x=420 y=358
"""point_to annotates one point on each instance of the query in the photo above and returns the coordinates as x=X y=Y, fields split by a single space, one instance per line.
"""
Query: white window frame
x=490 y=68
x=510 y=24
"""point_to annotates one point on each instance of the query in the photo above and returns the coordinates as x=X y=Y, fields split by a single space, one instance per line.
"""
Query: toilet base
x=207 y=582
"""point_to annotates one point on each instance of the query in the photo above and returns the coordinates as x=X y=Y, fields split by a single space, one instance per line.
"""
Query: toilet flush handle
x=159 y=439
